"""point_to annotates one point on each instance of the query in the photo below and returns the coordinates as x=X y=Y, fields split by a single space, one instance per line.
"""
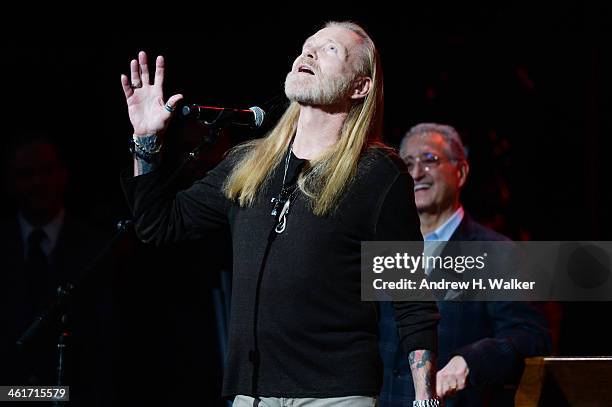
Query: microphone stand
x=57 y=312
x=214 y=132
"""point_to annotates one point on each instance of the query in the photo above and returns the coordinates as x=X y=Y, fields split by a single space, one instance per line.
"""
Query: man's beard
x=317 y=90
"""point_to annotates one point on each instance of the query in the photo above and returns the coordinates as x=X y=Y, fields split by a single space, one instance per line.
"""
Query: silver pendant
x=282 y=219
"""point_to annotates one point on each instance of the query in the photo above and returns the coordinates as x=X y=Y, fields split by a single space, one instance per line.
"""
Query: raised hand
x=148 y=112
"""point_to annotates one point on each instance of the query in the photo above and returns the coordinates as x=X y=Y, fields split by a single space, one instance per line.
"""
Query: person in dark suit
x=481 y=344
x=43 y=246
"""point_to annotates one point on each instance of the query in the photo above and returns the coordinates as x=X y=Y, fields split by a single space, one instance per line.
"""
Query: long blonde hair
x=325 y=180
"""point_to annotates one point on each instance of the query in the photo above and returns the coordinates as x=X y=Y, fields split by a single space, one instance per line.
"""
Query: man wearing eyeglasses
x=436 y=160
x=481 y=344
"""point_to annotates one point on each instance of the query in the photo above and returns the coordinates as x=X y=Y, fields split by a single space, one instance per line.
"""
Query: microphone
x=252 y=117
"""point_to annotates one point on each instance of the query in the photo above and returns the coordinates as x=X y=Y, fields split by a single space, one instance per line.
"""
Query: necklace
x=284 y=197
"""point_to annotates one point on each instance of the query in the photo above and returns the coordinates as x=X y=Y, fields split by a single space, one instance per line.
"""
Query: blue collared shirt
x=446 y=230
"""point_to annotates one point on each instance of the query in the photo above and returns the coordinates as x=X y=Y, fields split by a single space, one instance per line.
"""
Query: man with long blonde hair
x=298 y=203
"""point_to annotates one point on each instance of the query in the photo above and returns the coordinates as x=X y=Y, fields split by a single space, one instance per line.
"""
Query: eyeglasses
x=427 y=160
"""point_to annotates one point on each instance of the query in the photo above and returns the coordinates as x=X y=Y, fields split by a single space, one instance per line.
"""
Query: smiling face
x=437 y=177
x=323 y=74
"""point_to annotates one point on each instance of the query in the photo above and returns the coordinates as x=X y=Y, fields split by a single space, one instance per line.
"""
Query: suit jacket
x=493 y=338
x=88 y=358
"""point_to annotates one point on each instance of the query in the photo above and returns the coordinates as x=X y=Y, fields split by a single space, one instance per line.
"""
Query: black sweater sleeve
x=162 y=216
x=398 y=220
x=520 y=331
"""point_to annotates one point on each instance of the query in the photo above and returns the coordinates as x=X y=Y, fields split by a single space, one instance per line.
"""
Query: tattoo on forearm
x=420 y=358
x=422 y=364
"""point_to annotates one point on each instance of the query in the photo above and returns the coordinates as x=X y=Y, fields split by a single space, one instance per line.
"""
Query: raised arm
x=148 y=112
x=161 y=214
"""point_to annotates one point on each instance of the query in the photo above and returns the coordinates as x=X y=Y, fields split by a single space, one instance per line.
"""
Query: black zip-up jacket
x=298 y=327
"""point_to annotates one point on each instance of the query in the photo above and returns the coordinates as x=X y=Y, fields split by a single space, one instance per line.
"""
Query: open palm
x=145 y=101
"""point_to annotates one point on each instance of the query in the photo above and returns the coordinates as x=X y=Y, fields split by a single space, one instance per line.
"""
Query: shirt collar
x=52 y=230
x=446 y=230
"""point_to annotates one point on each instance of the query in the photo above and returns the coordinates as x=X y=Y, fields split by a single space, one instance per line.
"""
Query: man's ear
x=463 y=169
x=361 y=87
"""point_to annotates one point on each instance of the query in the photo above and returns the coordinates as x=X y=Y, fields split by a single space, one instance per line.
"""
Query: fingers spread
x=174 y=100
x=125 y=84
x=144 y=67
x=135 y=74
x=159 y=71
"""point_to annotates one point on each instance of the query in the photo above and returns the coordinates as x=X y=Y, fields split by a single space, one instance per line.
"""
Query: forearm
x=142 y=167
x=147 y=153
x=162 y=215
x=422 y=365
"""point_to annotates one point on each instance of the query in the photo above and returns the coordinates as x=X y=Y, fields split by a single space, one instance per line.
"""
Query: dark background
x=528 y=89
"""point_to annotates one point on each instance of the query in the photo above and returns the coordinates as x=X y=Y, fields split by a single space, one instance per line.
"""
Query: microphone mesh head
x=259 y=115
x=186 y=110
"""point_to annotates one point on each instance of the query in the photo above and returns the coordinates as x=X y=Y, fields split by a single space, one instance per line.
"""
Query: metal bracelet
x=426 y=403
x=147 y=144
x=146 y=149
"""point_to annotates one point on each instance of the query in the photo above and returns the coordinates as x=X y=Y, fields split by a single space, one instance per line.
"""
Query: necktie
x=40 y=359
x=37 y=269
